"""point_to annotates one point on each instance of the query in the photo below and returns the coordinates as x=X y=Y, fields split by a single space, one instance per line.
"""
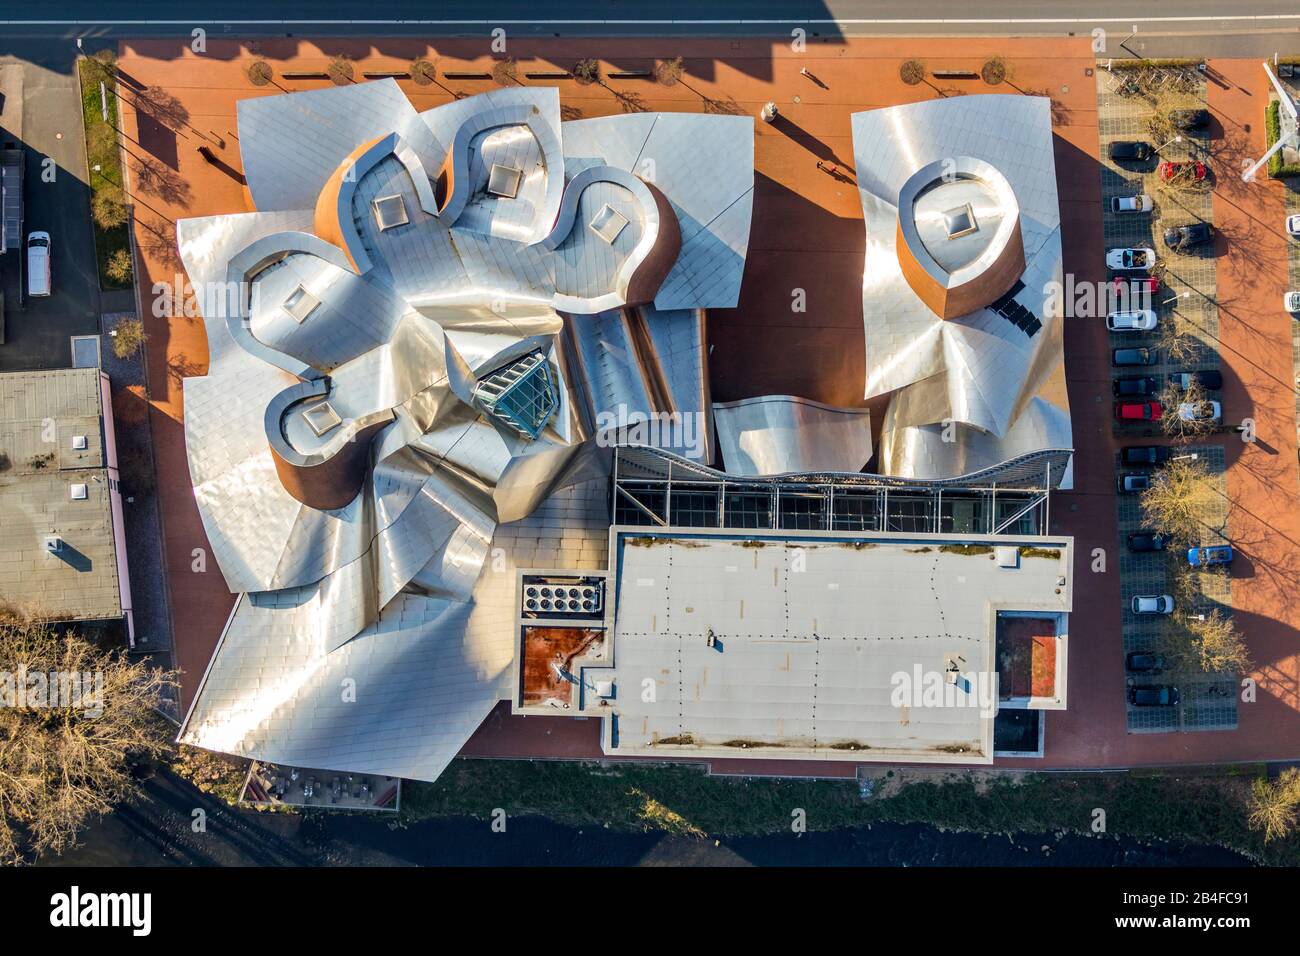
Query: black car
x=1136 y=387
x=1144 y=455
x=1208 y=379
x=1189 y=119
x=1153 y=695
x=1132 y=484
x=1189 y=236
x=1147 y=540
x=1126 y=149
x=1138 y=356
x=1143 y=662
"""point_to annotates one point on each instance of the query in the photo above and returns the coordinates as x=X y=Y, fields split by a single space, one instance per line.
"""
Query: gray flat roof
x=809 y=632
x=41 y=416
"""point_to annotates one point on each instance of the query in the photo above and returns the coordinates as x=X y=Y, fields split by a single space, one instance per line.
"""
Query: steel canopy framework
x=653 y=487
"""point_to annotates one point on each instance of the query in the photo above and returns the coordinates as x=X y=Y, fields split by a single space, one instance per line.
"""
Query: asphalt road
x=386 y=17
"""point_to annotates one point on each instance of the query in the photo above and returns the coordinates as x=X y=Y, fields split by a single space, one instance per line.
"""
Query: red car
x=1196 y=170
x=1138 y=411
x=1145 y=285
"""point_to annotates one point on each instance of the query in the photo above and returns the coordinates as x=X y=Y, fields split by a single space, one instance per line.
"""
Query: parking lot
x=1186 y=297
x=44 y=120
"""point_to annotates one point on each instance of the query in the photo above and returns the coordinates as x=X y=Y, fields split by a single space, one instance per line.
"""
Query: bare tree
x=912 y=72
x=66 y=756
x=587 y=71
x=1177 y=338
x=259 y=72
x=340 y=70
x=505 y=72
x=668 y=72
x=423 y=71
x=1179 y=498
x=1172 y=422
x=128 y=338
x=1217 y=644
x=1274 y=806
x=108 y=207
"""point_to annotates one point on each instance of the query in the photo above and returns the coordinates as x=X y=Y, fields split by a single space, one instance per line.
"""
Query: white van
x=38 y=263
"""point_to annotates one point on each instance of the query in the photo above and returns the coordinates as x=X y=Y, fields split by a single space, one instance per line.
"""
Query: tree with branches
x=1275 y=805
x=669 y=72
x=1175 y=425
x=65 y=755
x=1216 y=644
x=1179 y=496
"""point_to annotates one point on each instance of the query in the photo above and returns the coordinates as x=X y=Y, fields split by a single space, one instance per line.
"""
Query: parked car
x=1189 y=236
x=1214 y=554
x=1136 y=285
x=1196 y=171
x=1153 y=604
x=1200 y=411
x=1131 y=150
x=1145 y=454
x=1138 y=411
x=1189 y=119
x=1132 y=320
x=1143 y=662
x=1153 y=695
x=1291 y=301
x=1147 y=540
x=1143 y=387
x=1132 y=484
x=1209 y=379
x=1129 y=204
x=39 y=282
x=1293 y=226
x=1125 y=357
x=1136 y=259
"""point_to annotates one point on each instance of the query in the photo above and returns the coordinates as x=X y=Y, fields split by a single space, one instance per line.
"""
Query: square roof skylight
x=322 y=418
x=300 y=304
x=504 y=181
x=390 y=211
x=960 y=221
x=608 y=223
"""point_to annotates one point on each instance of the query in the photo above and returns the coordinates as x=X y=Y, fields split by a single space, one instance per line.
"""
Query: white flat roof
x=809 y=631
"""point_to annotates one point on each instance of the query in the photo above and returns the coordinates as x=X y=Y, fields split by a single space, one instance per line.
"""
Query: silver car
x=1153 y=604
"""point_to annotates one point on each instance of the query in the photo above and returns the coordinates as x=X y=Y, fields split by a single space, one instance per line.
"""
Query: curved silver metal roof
x=988 y=374
x=782 y=434
x=359 y=302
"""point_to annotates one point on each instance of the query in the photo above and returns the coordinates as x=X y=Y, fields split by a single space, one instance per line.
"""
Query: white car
x=1139 y=259
x=1123 y=204
x=1133 y=320
x=1153 y=604
x=1293 y=226
x=1200 y=411
x=1291 y=301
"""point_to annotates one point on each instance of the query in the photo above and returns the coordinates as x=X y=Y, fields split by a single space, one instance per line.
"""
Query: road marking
x=496 y=21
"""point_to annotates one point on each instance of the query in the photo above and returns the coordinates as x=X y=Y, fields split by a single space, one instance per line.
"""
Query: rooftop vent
x=1007 y=557
x=390 y=211
x=608 y=223
x=301 y=304
x=79 y=442
x=77 y=492
x=960 y=221
x=53 y=543
x=322 y=418
x=504 y=181
x=522 y=395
